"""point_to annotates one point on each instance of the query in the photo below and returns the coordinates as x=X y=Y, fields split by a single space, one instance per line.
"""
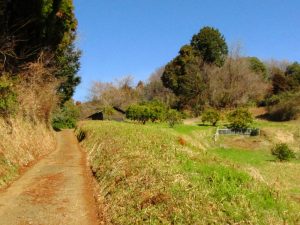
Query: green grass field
x=152 y=174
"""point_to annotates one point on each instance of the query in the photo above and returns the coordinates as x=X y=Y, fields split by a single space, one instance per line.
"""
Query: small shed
x=96 y=116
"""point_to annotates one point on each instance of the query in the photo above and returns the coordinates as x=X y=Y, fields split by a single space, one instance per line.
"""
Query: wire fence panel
x=249 y=131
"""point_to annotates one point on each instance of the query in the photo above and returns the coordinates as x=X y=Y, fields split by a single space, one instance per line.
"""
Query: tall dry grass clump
x=26 y=134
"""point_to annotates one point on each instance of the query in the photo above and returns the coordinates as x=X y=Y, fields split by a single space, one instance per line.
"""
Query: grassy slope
x=147 y=177
x=253 y=154
x=20 y=147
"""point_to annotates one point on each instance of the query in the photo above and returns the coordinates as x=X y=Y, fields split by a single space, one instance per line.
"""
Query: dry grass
x=26 y=135
x=26 y=143
x=37 y=92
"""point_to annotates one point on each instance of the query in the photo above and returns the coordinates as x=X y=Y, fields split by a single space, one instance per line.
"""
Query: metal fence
x=227 y=131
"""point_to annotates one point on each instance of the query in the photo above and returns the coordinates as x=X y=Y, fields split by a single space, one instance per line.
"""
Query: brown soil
x=56 y=190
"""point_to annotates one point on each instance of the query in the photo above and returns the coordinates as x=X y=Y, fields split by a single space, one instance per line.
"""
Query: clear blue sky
x=134 y=37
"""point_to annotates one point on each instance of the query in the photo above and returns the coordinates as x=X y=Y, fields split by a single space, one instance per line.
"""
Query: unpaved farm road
x=55 y=191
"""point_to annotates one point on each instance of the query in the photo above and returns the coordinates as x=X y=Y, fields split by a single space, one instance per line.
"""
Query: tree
x=239 y=119
x=258 y=66
x=66 y=116
x=119 y=94
x=146 y=111
x=184 y=77
x=139 y=113
x=293 y=71
x=234 y=84
x=286 y=107
x=67 y=64
x=211 y=45
x=33 y=27
x=280 y=82
x=211 y=116
x=155 y=90
x=173 y=117
x=186 y=74
x=157 y=110
x=40 y=24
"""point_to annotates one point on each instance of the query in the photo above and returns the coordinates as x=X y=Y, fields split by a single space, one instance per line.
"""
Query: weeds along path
x=56 y=190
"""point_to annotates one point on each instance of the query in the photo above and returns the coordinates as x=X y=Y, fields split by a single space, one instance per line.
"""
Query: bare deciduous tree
x=234 y=84
x=116 y=94
x=155 y=90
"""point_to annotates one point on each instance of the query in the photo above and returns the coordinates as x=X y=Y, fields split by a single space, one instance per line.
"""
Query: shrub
x=284 y=111
x=254 y=132
x=282 y=152
x=138 y=113
x=158 y=110
x=144 y=112
x=61 y=122
x=65 y=117
x=108 y=111
x=287 y=108
x=173 y=117
x=272 y=100
x=211 y=116
x=239 y=119
x=8 y=98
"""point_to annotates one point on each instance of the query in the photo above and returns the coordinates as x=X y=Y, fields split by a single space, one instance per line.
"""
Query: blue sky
x=134 y=37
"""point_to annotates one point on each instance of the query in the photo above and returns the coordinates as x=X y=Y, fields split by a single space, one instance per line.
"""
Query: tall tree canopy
x=183 y=76
x=31 y=27
x=211 y=45
x=293 y=71
x=186 y=75
x=204 y=73
x=258 y=66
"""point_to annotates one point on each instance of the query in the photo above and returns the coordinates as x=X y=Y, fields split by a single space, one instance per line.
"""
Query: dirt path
x=55 y=191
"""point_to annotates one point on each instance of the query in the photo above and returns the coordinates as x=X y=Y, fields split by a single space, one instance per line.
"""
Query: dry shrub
x=181 y=141
x=285 y=110
x=37 y=92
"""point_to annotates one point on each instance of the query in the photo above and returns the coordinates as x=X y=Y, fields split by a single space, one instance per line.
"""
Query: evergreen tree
x=211 y=45
x=293 y=71
x=31 y=27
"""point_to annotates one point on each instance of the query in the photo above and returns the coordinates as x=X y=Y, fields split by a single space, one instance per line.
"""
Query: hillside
x=158 y=175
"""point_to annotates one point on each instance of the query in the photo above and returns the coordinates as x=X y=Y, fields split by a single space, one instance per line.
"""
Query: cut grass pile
x=147 y=176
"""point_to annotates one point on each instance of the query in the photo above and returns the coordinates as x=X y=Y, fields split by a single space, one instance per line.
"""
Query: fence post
x=216 y=135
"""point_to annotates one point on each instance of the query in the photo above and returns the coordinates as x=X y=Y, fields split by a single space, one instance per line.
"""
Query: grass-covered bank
x=21 y=144
x=147 y=175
